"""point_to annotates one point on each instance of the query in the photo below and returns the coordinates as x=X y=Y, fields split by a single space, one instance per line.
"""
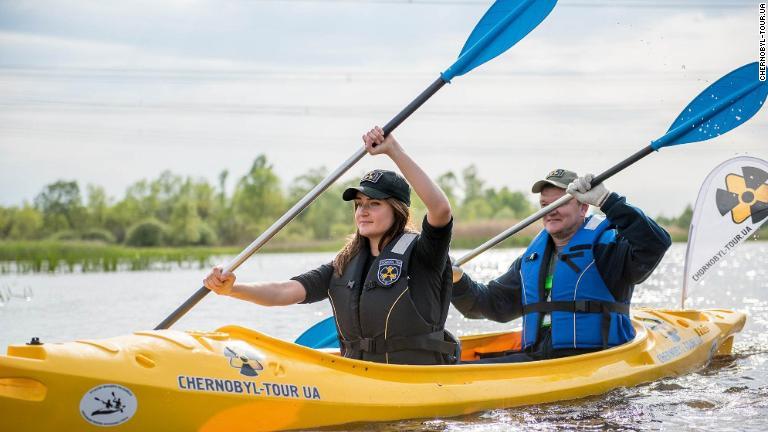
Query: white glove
x=585 y=193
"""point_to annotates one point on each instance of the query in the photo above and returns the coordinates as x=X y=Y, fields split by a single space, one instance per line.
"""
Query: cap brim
x=539 y=185
x=351 y=193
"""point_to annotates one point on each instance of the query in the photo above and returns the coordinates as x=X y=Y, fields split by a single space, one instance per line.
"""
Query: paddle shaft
x=302 y=204
x=551 y=207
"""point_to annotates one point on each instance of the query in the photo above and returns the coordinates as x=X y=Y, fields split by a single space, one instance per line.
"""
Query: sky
x=109 y=93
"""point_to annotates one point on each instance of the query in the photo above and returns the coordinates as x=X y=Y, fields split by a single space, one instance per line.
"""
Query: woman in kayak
x=389 y=287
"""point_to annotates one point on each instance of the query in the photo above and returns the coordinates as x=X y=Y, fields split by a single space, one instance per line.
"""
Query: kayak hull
x=238 y=378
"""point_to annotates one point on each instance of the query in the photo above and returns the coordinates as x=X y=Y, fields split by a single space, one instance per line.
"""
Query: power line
x=302 y=74
x=628 y=4
x=304 y=110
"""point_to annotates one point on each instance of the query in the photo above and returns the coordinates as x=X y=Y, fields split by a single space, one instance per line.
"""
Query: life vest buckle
x=581 y=306
x=368 y=345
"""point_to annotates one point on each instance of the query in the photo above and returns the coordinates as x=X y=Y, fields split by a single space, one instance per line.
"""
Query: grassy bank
x=50 y=256
x=67 y=256
x=471 y=235
x=56 y=256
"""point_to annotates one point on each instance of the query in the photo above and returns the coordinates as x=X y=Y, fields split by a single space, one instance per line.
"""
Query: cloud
x=34 y=50
x=166 y=85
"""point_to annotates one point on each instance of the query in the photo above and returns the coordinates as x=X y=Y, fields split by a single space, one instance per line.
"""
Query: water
x=731 y=394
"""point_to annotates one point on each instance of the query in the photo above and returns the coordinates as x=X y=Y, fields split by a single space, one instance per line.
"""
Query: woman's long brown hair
x=356 y=242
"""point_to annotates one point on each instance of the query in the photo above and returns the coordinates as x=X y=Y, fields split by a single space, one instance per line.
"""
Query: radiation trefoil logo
x=243 y=359
x=745 y=195
x=389 y=271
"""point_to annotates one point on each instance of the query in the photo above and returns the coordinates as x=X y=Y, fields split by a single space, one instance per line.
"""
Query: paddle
x=320 y=335
x=723 y=106
x=502 y=26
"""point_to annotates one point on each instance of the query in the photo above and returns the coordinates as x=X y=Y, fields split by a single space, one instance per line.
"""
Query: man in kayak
x=574 y=283
x=390 y=288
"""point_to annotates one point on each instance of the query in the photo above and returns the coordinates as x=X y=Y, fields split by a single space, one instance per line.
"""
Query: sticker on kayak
x=712 y=351
x=108 y=405
x=679 y=349
x=662 y=328
x=244 y=358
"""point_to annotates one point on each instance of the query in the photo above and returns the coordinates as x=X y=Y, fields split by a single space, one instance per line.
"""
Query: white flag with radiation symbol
x=731 y=206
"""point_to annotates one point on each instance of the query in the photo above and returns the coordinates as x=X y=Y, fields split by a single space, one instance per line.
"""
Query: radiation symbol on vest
x=389 y=271
x=244 y=359
x=745 y=196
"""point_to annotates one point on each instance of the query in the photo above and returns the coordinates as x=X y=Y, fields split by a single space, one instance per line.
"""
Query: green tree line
x=177 y=211
x=173 y=210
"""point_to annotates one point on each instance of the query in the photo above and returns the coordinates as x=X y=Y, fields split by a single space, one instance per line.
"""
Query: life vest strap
x=588 y=306
x=434 y=341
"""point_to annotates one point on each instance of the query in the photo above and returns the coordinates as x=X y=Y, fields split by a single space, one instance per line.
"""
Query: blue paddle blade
x=729 y=102
x=320 y=335
x=502 y=26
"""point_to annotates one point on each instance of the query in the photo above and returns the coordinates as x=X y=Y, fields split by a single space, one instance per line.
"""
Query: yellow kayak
x=239 y=379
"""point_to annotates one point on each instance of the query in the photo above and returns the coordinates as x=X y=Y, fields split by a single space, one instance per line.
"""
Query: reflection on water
x=730 y=394
x=9 y=292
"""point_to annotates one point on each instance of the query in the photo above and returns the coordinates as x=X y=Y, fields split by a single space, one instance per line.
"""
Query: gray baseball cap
x=559 y=178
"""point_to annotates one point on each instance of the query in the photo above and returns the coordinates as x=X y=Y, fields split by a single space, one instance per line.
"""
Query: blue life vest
x=584 y=313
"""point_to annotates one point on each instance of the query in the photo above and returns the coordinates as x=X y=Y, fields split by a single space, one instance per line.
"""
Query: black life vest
x=378 y=321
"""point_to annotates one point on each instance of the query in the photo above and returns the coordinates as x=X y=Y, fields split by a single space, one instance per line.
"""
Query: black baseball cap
x=381 y=184
x=559 y=178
